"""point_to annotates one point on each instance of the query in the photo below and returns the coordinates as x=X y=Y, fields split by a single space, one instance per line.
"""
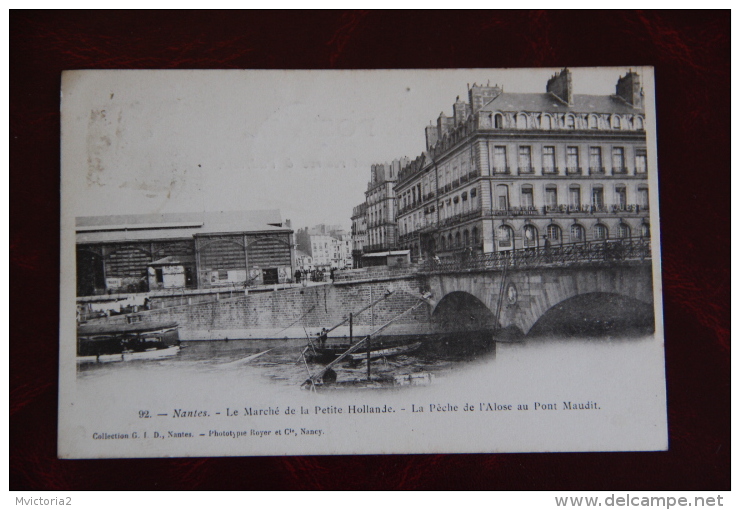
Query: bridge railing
x=612 y=250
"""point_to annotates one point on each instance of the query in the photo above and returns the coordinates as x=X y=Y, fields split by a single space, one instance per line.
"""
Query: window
x=553 y=232
x=159 y=275
x=546 y=122
x=525 y=159
x=457 y=239
x=572 y=160
x=521 y=121
x=449 y=241
x=570 y=122
x=444 y=243
x=594 y=155
x=640 y=161
x=466 y=238
x=502 y=197
x=576 y=233
x=645 y=230
x=597 y=197
x=475 y=235
x=616 y=122
x=642 y=197
x=575 y=196
x=499 y=159
x=600 y=232
x=551 y=197
x=530 y=235
x=620 y=194
x=638 y=123
x=623 y=231
x=593 y=122
x=498 y=120
x=527 y=196
x=618 y=160
x=505 y=236
x=548 y=159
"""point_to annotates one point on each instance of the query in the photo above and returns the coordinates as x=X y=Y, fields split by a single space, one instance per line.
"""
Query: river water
x=221 y=365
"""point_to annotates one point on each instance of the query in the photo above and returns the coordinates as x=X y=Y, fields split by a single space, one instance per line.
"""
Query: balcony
x=550 y=170
x=459 y=218
x=596 y=170
x=516 y=211
x=455 y=183
x=573 y=170
x=525 y=170
x=563 y=209
x=502 y=170
x=370 y=248
x=620 y=170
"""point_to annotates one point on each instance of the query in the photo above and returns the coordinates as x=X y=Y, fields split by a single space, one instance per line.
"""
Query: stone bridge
x=519 y=298
x=571 y=288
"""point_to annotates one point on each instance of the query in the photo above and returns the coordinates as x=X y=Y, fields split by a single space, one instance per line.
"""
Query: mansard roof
x=582 y=103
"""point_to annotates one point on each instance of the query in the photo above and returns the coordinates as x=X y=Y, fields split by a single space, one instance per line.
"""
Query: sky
x=299 y=141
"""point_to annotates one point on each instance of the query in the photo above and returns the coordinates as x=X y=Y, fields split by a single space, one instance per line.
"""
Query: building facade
x=359 y=233
x=380 y=210
x=522 y=170
x=142 y=253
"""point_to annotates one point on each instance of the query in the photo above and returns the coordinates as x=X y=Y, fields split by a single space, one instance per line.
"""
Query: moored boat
x=121 y=342
x=380 y=348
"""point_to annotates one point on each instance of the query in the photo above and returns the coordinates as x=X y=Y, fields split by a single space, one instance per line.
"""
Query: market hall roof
x=549 y=103
x=148 y=227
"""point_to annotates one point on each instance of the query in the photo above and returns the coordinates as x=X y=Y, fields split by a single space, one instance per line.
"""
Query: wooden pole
x=350 y=328
x=356 y=346
x=368 y=359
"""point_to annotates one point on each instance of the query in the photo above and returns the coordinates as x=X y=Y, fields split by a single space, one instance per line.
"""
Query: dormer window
x=498 y=121
x=593 y=122
x=546 y=122
x=616 y=122
x=521 y=121
x=570 y=122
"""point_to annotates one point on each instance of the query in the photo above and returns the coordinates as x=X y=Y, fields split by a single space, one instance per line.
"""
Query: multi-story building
x=331 y=250
x=381 y=206
x=520 y=170
x=359 y=233
x=322 y=250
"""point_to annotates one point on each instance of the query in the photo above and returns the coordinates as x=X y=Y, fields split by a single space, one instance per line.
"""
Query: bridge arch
x=595 y=314
x=461 y=311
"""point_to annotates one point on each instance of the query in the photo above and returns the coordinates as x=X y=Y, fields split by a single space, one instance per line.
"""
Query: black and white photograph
x=360 y=262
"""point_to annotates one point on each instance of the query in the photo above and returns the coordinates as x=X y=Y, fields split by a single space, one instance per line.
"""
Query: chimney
x=629 y=88
x=444 y=124
x=480 y=95
x=561 y=86
x=459 y=111
x=431 y=134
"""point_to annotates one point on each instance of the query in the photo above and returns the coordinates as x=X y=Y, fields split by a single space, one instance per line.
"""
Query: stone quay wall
x=295 y=312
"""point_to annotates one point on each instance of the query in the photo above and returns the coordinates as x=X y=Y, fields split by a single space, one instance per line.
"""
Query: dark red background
x=691 y=54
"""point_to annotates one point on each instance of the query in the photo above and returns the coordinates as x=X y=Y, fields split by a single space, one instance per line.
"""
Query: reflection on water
x=229 y=364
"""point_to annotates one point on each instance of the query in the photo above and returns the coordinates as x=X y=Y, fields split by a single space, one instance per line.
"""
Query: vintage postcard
x=360 y=262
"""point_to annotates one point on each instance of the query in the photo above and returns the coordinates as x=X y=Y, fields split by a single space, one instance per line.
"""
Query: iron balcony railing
x=377 y=247
x=612 y=250
x=570 y=209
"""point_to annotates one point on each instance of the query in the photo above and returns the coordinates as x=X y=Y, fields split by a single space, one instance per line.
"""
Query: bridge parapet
x=590 y=252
